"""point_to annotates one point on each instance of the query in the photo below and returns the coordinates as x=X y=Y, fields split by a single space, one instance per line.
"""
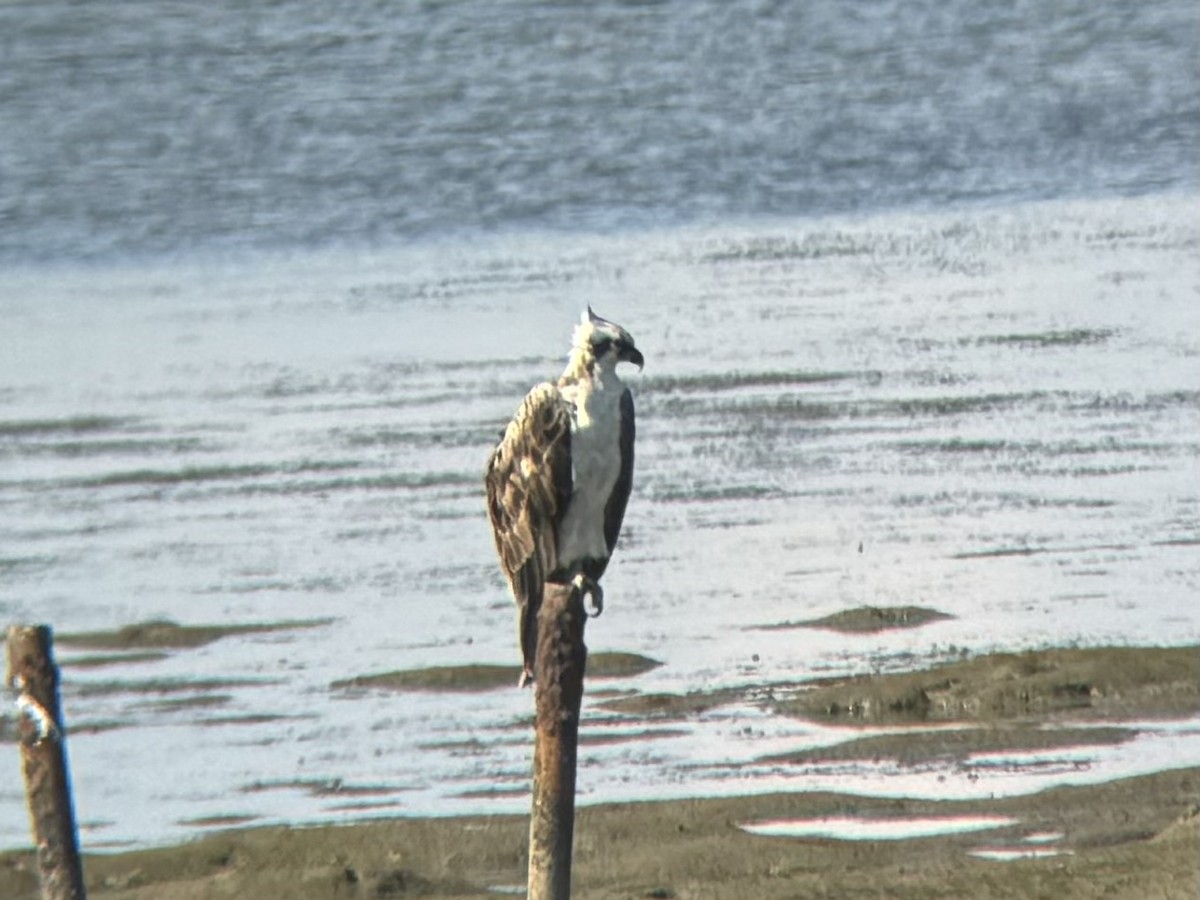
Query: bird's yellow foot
x=588 y=587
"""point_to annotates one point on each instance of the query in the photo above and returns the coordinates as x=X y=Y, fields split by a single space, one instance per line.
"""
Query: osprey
x=558 y=481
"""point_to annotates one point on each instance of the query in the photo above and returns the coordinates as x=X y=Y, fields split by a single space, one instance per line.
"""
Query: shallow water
x=273 y=278
x=851 y=828
x=163 y=127
x=992 y=413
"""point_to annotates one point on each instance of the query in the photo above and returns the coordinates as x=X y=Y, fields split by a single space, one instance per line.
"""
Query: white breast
x=596 y=465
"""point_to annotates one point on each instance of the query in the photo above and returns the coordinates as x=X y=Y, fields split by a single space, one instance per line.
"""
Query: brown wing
x=528 y=485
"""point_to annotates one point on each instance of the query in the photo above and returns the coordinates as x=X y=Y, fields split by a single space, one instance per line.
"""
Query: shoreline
x=1137 y=836
x=1131 y=836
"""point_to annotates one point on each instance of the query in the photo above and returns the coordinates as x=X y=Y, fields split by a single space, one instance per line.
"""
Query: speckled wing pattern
x=529 y=484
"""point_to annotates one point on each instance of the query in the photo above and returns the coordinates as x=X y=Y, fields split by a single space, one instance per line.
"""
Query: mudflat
x=1135 y=837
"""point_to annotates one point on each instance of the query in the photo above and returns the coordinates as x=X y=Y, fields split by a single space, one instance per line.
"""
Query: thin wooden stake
x=559 y=668
x=34 y=677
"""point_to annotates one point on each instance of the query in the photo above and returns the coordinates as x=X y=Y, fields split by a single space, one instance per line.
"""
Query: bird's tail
x=528 y=628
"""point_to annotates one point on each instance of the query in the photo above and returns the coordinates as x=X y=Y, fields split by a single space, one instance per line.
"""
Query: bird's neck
x=581 y=366
x=587 y=373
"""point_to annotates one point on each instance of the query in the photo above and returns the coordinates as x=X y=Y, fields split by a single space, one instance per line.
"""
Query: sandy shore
x=1137 y=837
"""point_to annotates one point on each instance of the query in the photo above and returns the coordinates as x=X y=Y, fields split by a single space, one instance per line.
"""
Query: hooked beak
x=633 y=355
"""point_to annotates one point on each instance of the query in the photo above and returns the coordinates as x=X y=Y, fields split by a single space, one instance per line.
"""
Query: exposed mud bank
x=1131 y=837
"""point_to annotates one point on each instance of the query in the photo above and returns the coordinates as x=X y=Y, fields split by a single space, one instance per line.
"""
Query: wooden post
x=559 y=667
x=32 y=674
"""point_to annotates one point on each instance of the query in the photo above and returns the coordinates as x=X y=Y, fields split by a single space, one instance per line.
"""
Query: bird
x=559 y=480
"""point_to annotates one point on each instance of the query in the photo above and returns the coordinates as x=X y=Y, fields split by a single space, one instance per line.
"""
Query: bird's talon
x=588 y=587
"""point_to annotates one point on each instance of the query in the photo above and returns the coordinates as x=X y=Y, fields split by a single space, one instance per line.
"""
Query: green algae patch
x=167 y=686
x=72 y=425
x=437 y=678
x=867 y=619
x=225 y=820
x=609 y=738
x=919 y=747
x=669 y=705
x=165 y=634
x=489 y=677
x=100 y=660
x=608 y=664
x=322 y=787
x=1075 y=337
x=1080 y=683
x=179 y=704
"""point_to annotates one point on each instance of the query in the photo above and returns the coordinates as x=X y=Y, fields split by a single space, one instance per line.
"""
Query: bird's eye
x=600 y=346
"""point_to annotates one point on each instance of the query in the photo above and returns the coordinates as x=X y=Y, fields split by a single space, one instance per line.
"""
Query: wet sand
x=1133 y=838
x=1136 y=837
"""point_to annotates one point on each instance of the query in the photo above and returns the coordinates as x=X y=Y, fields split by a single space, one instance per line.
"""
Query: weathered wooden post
x=32 y=674
x=561 y=659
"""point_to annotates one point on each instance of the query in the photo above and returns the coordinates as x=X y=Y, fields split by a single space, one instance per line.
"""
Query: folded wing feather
x=529 y=484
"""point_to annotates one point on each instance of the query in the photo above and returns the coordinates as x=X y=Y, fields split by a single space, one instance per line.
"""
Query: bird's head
x=606 y=342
